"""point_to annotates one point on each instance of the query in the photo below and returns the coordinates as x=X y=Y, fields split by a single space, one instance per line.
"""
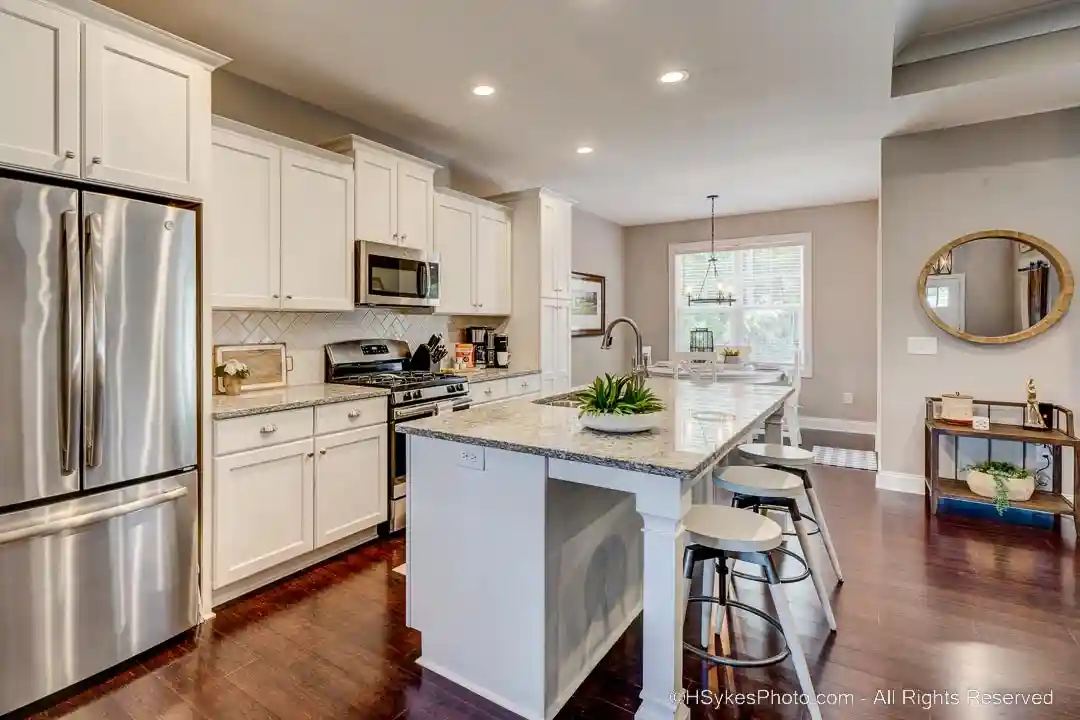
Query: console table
x=1059 y=438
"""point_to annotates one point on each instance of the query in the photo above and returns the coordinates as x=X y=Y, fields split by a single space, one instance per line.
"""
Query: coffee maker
x=500 y=354
x=483 y=341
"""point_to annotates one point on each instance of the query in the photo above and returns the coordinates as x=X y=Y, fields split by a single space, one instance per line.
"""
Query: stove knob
x=449 y=388
x=406 y=395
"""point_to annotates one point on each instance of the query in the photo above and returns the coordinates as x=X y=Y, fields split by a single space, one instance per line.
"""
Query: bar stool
x=756 y=487
x=717 y=534
x=798 y=461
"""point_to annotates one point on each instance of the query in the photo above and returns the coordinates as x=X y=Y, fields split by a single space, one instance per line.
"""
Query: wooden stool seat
x=759 y=481
x=773 y=454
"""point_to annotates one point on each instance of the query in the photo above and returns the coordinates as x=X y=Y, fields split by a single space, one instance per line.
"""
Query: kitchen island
x=532 y=542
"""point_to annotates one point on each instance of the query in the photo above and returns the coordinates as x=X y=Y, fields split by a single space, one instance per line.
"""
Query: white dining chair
x=791 y=430
x=698 y=366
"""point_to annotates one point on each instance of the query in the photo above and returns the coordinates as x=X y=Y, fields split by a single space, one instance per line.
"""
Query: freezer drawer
x=94 y=581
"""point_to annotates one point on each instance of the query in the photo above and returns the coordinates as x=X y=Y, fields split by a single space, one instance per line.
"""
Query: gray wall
x=598 y=249
x=1019 y=174
x=844 y=291
x=990 y=297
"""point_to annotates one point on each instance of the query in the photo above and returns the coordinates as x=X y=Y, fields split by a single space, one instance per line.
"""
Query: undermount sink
x=567 y=400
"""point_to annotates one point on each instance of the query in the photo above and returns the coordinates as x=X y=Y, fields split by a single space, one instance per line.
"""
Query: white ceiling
x=785 y=104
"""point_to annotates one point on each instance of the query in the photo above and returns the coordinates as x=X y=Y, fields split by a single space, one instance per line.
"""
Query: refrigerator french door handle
x=70 y=344
x=96 y=516
x=94 y=330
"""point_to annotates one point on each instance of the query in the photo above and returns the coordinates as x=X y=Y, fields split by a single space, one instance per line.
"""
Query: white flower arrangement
x=232 y=369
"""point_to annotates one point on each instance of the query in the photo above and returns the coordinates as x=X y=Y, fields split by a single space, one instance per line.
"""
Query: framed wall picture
x=266 y=362
x=588 y=304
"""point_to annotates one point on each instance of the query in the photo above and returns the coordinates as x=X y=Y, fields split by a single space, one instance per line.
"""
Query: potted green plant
x=1002 y=481
x=232 y=372
x=620 y=404
x=731 y=355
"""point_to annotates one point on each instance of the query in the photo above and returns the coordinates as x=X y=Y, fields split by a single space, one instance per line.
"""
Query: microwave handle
x=423 y=280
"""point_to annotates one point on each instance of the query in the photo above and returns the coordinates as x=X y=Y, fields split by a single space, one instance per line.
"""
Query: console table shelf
x=1059 y=438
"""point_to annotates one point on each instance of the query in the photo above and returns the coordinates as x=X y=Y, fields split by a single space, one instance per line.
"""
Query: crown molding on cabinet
x=228 y=125
x=346 y=143
x=137 y=28
x=509 y=197
x=449 y=192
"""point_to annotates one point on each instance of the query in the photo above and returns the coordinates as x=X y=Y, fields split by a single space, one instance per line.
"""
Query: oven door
x=399 y=485
x=389 y=276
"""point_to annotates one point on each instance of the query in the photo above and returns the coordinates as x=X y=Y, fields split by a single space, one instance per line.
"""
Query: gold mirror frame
x=1057 y=310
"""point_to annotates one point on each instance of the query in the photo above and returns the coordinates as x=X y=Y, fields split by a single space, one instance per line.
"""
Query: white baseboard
x=856 y=427
x=901 y=482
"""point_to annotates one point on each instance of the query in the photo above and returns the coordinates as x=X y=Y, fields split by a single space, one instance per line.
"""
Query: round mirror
x=996 y=286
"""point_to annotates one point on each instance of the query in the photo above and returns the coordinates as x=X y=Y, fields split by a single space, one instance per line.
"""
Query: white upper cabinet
x=394 y=194
x=472 y=238
x=493 y=293
x=146 y=115
x=103 y=97
x=376 y=196
x=280 y=223
x=244 y=222
x=455 y=228
x=316 y=227
x=39 y=81
x=555 y=247
x=415 y=203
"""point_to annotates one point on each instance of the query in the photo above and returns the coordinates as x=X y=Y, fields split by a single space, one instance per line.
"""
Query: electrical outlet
x=849 y=398
x=471 y=458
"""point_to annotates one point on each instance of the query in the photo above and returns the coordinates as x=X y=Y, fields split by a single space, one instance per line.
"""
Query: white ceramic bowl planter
x=1020 y=489
x=621 y=424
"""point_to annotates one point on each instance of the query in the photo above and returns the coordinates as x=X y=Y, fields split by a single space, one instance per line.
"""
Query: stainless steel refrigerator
x=98 y=433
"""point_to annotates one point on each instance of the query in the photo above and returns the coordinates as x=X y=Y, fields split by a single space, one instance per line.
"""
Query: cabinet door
x=146 y=115
x=351 y=479
x=554 y=345
x=564 y=249
x=550 y=247
x=316 y=232
x=243 y=222
x=493 y=262
x=376 y=196
x=415 y=199
x=455 y=228
x=39 y=81
x=262 y=509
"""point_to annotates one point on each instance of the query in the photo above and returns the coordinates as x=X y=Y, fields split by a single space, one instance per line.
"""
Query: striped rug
x=845 y=458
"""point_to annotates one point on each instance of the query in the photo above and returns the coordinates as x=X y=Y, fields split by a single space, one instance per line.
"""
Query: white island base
x=524 y=574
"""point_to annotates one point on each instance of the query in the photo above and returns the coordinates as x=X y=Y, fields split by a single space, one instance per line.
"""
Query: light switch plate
x=922 y=346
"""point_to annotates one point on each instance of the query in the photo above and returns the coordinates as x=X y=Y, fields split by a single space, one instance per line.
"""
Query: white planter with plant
x=232 y=373
x=620 y=404
x=1002 y=481
x=731 y=356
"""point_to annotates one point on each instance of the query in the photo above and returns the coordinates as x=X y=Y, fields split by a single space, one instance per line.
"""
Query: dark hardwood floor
x=951 y=604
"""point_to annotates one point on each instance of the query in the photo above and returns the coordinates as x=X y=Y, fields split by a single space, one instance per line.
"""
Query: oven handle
x=432 y=408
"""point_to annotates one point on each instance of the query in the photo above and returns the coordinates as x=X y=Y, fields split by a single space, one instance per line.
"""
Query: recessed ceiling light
x=483 y=90
x=675 y=76
x=584 y=150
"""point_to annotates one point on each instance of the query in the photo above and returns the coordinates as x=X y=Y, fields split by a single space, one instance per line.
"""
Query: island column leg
x=662 y=652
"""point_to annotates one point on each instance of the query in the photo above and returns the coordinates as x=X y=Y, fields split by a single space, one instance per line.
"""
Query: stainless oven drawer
x=91 y=582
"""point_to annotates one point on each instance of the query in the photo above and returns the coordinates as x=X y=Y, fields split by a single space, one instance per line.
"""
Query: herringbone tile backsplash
x=305 y=334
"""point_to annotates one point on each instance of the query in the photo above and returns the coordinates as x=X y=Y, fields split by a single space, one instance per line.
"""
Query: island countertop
x=699 y=425
x=289 y=397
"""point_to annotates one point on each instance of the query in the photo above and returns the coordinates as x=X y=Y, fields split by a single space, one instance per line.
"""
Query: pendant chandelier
x=717 y=296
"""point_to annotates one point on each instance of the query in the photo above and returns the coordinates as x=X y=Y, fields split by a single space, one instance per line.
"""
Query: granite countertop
x=700 y=425
x=495 y=374
x=289 y=397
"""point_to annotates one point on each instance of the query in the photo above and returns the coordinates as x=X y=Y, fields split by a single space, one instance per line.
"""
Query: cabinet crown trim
x=531 y=192
x=228 y=125
x=347 y=144
x=457 y=194
x=90 y=10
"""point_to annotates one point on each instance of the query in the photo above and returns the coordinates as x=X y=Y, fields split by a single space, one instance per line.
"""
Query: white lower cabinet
x=262 y=509
x=513 y=388
x=350 y=483
x=277 y=503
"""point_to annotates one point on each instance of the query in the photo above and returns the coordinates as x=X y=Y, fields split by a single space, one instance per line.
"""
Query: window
x=770 y=278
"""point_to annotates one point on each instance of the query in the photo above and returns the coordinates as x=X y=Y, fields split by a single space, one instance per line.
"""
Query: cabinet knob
x=311 y=454
x=353 y=414
x=487 y=391
x=396 y=237
x=404 y=237
x=70 y=154
x=288 y=297
x=268 y=429
x=95 y=160
x=323 y=451
x=276 y=297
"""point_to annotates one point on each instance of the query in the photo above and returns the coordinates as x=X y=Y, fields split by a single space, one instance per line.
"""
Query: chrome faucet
x=640 y=370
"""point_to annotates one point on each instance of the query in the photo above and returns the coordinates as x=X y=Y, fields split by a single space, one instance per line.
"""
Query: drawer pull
x=311 y=454
x=323 y=451
x=353 y=414
x=268 y=429
x=487 y=391
x=524 y=383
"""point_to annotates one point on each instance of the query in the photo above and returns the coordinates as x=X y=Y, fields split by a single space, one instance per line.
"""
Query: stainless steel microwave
x=389 y=276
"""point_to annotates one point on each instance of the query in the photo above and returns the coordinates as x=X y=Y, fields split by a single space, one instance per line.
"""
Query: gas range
x=384 y=363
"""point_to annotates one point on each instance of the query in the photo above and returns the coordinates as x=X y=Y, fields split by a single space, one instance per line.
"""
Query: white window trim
x=803 y=239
